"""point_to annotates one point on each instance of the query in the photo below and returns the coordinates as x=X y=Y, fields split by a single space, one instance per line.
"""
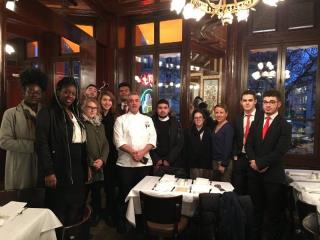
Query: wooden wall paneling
x=88 y=62
x=2 y=81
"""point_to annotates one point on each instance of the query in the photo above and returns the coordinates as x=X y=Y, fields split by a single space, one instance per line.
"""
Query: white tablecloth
x=32 y=224
x=301 y=175
x=189 y=204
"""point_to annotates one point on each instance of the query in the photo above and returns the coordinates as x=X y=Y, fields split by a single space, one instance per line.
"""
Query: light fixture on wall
x=9 y=49
x=11 y=4
x=225 y=10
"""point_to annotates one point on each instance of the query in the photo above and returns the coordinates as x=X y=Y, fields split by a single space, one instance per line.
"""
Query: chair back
x=162 y=210
x=80 y=230
x=311 y=225
x=7 y=196
x=34 y=197
x=304 y=209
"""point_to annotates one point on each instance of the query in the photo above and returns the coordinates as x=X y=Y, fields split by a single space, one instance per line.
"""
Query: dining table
x=168 y=186
x=31 y=224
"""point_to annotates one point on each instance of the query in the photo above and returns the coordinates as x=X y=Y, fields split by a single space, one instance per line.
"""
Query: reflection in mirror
x=262 y=71
x=300 y=95
x=143 y=77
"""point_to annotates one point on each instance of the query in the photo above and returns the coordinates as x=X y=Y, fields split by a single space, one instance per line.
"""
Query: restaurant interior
x=177 y=50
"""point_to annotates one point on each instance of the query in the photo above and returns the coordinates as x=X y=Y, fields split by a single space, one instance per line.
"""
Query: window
x=68 y=47
x=144 y=34
x=262 y=71
x=32 y=49
x=300 y=96
x=144 y=81
x=171 y=31
x=170 y=80
x=86 y=28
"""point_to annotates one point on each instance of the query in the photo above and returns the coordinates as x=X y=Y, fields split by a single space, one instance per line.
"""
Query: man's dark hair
x=92 y=85
x=273 y=93
x=33 y=76
x=163 y=101
x=203 y=106
x=124 y=84
x=249 y=92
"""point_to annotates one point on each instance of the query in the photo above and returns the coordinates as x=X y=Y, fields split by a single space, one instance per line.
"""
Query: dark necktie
x=265 y=127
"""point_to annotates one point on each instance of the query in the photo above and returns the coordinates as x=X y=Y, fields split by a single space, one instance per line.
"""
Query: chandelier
x=223 y=9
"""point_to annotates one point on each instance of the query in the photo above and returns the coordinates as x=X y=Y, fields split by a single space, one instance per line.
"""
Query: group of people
x=74 y=147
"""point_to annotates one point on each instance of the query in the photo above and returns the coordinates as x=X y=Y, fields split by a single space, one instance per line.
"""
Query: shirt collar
x=273 y=116
x=253 y=113
x=163 y=119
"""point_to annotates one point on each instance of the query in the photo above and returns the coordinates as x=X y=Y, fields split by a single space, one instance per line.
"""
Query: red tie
x=247 y=129
x=265 y=127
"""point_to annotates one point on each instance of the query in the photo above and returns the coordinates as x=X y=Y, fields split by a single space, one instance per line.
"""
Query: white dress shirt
x=272 y=117
x=135 y=130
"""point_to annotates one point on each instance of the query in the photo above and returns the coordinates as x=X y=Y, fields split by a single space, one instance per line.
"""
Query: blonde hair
x=88 y=100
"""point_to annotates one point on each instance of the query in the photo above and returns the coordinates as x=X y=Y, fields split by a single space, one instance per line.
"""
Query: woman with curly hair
x=17 y=132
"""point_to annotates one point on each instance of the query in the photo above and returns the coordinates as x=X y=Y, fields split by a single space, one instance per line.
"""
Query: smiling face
x=220 y=114
x=32 y=94
x=248 y=103
x=271 y=105
x=90 y=109
x=91 y=92
x=198 y=120
x=134 y=103
x=106 y=102
x=67 y=95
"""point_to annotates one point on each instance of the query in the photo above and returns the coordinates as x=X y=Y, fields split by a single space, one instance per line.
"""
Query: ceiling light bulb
x=9 y=49
x=188 y=11
x=10 y=5
x=243 y=15
x=227 y=18
x=256 y=75
x=177 y=5
x=272 y=3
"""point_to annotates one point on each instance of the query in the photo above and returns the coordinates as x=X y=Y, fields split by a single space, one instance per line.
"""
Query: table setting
x=169 y=185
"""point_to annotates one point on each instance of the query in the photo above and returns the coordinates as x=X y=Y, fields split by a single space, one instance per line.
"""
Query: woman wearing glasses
x=97 y=153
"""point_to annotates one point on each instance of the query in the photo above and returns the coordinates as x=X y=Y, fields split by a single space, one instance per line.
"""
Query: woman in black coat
x=197 y=148
x=108 y=109
x=60 y=140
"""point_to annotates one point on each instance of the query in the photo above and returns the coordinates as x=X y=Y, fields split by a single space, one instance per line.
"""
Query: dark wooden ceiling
x=206 y=34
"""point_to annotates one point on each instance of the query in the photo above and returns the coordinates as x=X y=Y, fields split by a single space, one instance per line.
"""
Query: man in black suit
x=269 y=139
x=124 y=92
x=243 y=122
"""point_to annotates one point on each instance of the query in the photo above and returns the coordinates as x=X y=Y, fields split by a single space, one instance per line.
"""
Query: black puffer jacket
x=54 y=132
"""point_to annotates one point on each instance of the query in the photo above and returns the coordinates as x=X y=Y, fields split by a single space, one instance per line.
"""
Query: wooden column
x=2 y=81
x=231 y=86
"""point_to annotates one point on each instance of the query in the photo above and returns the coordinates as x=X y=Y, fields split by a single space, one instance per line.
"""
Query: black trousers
x=95 y=203
x=240 y=175
x=269 y=208
x=128 y=177
x=112 y=192
x=66 y=202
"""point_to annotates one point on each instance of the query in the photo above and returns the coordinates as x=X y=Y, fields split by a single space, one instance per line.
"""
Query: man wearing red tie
x=268 y=140
x=242 y=126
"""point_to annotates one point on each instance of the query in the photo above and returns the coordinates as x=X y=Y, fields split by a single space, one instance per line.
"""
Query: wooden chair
x=311 y=225
x=162 y=215
x=7 y=196
x=80 y=230
x=303 y=210
x=34 y=197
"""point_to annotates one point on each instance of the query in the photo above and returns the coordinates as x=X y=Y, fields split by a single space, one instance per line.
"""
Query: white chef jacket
x=136 y=130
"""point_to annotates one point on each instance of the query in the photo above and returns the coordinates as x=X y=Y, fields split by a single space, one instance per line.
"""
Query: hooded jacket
x=53 y=139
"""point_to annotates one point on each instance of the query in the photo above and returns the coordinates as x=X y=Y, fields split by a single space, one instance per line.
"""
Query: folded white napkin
x=164 y=187
x=196 y=188
x=168 y=178
x=202 y=181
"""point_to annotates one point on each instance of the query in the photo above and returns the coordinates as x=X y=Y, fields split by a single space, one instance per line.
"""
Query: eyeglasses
x=269 y=102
